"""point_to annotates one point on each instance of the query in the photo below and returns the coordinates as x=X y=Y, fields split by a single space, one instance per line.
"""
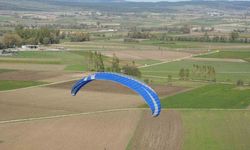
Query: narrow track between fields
x=108 y=111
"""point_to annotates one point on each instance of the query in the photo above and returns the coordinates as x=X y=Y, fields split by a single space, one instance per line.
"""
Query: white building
x=30 y=46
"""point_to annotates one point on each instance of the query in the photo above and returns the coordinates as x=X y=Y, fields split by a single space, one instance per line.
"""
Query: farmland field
x=194 y=54
x=5 y=70
x=147 y=55
x=187 y=129
x=210 y=96
x=245 y=55
x=77 y=132
x=48 y=59
x=225 y=71
x=10 y=84
x=217 y=130
x=184 y=45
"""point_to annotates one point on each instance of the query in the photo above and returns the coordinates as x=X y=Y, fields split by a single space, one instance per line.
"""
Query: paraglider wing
x=147 y=93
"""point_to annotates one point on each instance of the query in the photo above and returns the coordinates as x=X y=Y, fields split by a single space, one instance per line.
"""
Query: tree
x=169 y=78
x=182 y=74
x=90 y=58
x=186 y=72
x=115 y=67
x=234 y=35
x=204 y=72
x=98 y=23
x=213 y=74
x=239 y=83
x=101 y=67
x=11 y=40
x=79 y=37
x=31 y=41
x=186 y=29
x=206 y=37
x=2 y=46
x=131 y=70
x=46 y=41
x=96 y=61
x=146 y=81
x=42 y=35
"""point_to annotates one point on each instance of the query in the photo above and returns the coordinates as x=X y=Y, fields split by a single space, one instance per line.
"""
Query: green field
x=147 y=61
x=216 y=130
x=208 y=21
x=204 y=111
x=30 y=61
x=173 y=44
x=5 y=70
x=76 y=67
x=225 y=71
x=176 y=45
x=68 y=58
x=210 y=96
x=245 y=55
x=10 y=84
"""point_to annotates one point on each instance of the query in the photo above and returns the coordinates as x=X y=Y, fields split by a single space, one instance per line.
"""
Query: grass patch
x=245 y=55
x=173 y=44
x=30 y=61
x=188 y=84
x=5 y=70
x=210 y=96
x=208 y=21
x=69 y=58
x=216 y=130
x=10 y=84
x=75 y=67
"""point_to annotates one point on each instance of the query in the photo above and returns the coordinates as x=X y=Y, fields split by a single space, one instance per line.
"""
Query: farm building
x=30 y=46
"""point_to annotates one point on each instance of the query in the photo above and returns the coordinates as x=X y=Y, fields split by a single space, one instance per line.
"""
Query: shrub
x=239 y=83
x=131 y=70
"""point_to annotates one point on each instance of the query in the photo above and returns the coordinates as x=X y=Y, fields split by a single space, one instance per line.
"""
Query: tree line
x=34 y=36
x=201 y=72
x=78 y=37
x=22 y=36
x=95 y=62
x=232 y=37
x=139 y=35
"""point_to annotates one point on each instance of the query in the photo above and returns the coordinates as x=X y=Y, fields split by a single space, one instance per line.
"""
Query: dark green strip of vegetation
x=10 y=84
x=31 y=61
x=210 y=96
x=76 y=67
x=5 y=70
x=245 y=55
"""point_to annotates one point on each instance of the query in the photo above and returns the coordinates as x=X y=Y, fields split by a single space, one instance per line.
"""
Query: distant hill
x=119 y=5
x=86 y=1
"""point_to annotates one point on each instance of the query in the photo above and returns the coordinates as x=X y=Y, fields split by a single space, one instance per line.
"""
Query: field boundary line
x=108 y=111
x=66 y=115
x=41 y=85
x=222 y=72
x=178 y=59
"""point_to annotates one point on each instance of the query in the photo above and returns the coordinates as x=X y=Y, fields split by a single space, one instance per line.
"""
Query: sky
x=155 y=0
x=172 y=0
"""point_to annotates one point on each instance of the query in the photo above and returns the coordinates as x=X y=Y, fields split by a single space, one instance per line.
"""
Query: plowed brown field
x=110 y=131
x=154 y=55
x=162 y=133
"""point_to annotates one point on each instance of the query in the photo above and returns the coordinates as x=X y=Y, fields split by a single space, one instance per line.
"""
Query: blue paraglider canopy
x=146 y=92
